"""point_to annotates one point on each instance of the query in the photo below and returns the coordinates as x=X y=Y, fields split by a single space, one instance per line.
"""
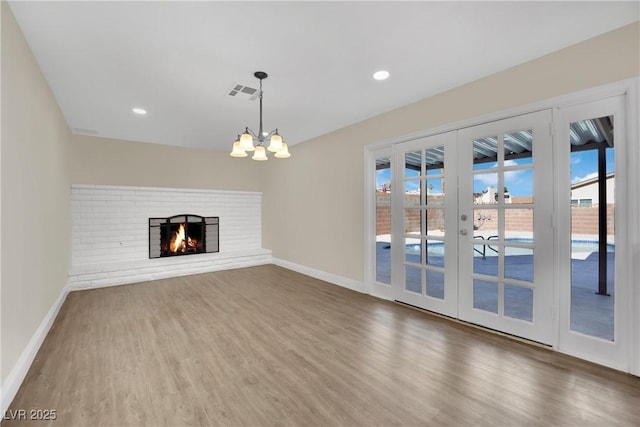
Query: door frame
x=372 y=286
x=629 y=88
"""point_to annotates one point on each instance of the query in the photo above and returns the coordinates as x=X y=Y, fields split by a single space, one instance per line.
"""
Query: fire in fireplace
x=183 y=235
x=180 y=243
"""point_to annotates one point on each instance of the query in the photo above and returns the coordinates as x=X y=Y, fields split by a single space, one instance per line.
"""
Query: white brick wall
x=110 y=226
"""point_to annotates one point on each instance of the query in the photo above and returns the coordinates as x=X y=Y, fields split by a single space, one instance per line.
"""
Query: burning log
x=180 y=243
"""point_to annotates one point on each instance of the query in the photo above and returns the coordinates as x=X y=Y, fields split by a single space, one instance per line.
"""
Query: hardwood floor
x=265 y=346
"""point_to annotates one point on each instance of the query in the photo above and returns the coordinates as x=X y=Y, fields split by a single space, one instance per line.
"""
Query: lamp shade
x=284 y=152
x=275 y=143
x=237 y=151
x=260 y=154
x=246 y=141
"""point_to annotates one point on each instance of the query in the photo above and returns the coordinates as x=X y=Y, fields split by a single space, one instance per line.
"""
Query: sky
x=584 y=165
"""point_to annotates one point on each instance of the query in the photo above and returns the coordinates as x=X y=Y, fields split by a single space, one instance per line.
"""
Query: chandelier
x=246 y=141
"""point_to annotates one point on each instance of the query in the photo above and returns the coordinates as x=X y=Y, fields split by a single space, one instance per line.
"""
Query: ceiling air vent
x=244 y=91
x=85 y=131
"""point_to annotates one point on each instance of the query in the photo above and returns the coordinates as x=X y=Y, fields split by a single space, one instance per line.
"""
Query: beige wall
x=313 y=210
x=36 y=234
x=107 y=161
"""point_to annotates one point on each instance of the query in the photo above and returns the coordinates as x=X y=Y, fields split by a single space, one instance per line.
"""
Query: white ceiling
x=179 y=60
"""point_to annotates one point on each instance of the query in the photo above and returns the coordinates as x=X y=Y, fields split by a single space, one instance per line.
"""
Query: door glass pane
x=412 y=162
x=518 y=152
x=485 y=295
x=413 y=250
x=435 y=253
x=485 y=153
x=485 y=257
x=518 y=302
x=518 y=263
x=434 y=190
x=592 y=227
x=486 y=223
x=486 y=235
x=518 y=186
x=435 y=222
x=485 y=189
x=383 y=220
x=412 y=193
x=435 y=284
x=413 y=279
x=434 y=160
x=413 y=222
x=518 y=147
x=518 y=225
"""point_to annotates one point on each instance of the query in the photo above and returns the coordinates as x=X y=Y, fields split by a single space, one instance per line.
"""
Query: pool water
x=587 y=246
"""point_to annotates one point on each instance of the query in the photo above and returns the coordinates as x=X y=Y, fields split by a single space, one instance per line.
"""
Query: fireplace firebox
x=183 y=235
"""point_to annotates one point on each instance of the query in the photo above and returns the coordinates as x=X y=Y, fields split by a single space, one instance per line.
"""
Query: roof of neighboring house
x=590 y=181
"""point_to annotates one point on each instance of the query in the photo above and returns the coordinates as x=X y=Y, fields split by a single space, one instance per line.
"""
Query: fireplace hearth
x=185 y=234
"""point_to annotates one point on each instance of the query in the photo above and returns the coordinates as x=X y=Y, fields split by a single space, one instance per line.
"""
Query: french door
x=505 y=209
x=424 y=238
x=472 y=230
x=595 y=289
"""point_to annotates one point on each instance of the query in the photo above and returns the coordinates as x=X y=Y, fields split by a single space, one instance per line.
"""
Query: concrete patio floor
x=591 y=314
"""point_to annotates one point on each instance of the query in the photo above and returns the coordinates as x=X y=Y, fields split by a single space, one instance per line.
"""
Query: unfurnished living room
x=320 y=213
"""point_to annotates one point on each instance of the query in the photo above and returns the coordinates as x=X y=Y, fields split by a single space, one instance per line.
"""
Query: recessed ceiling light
x=381 y=75
x=140 y=111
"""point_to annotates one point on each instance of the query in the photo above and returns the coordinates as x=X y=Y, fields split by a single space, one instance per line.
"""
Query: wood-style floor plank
x=265 y=346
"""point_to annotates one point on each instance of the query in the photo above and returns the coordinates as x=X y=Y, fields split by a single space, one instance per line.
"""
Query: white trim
x=342 y=281
x=369 y=220
x=632 y=108
x=162 y=189
x=15 y=378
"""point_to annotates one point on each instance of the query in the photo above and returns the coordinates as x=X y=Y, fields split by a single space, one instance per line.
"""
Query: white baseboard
x=354 y=285
x=15 y=378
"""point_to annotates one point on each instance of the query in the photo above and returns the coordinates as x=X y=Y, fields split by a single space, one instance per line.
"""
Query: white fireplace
x=110 y=233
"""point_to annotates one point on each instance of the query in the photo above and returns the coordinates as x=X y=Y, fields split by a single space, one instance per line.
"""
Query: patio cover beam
x=602 y=220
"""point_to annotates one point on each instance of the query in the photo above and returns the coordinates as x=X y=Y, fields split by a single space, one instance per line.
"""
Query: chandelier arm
x=264 y=138
x=252 y=133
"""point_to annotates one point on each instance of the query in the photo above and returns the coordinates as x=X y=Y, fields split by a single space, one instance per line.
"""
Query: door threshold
x=475 y=326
